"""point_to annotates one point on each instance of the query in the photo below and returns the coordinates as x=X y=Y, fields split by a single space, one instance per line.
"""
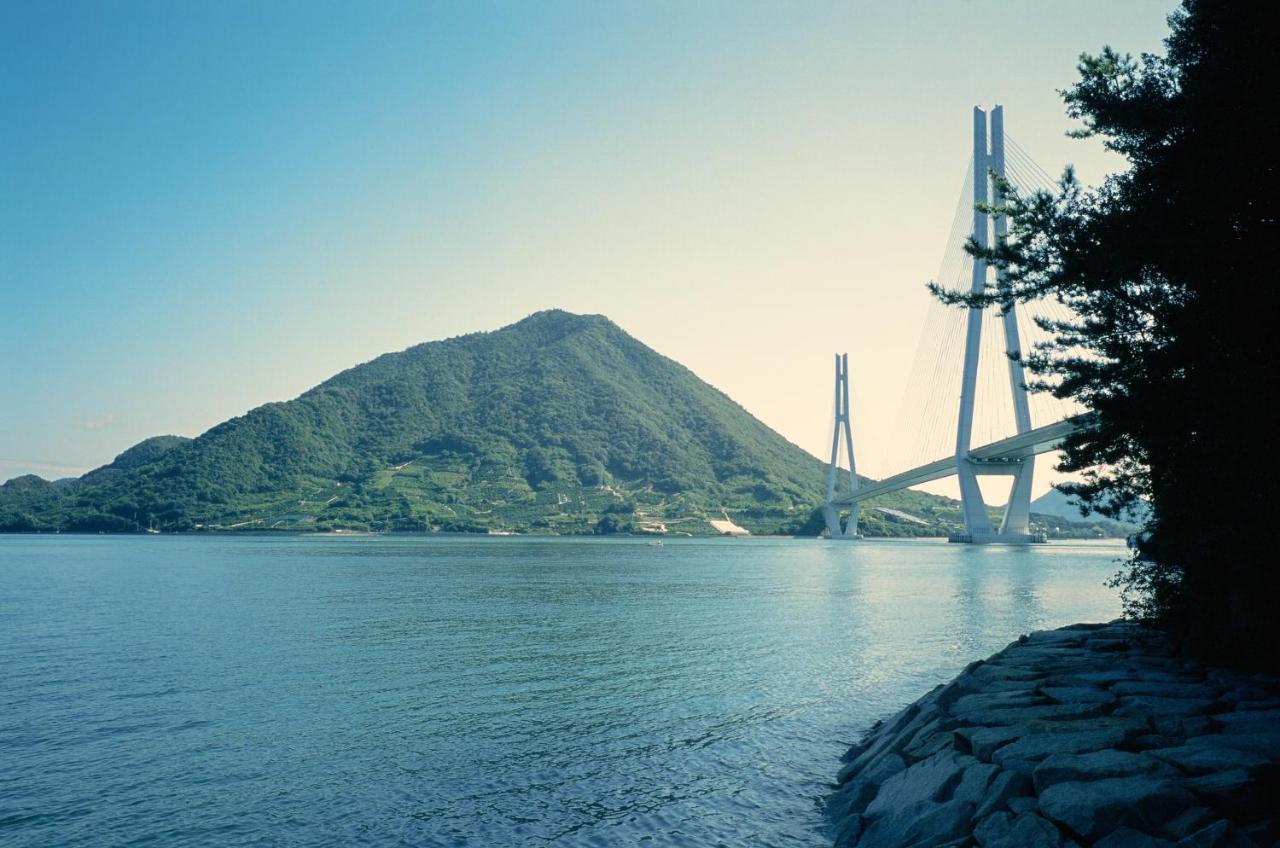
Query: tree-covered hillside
x=556 y=424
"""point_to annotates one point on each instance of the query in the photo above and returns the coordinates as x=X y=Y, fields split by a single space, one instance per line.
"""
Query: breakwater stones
x=1088 y=735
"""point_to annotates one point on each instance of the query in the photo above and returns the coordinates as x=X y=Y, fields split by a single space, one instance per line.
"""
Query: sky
x=206 y=207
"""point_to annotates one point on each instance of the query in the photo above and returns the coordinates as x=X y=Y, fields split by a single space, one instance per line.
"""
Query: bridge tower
x=830 y=512
x=1014 y=528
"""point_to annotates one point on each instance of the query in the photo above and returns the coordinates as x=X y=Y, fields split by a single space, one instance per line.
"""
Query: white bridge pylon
x=1013 y=456
x=830 y=512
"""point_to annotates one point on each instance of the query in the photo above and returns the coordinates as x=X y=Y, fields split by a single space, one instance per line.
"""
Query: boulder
x=1249 y=721
x=1095 y=808
x=1247 y=694
x=1028 y=750
x=1183 y=726
x=1062 y=636
x=1187 y=822
x=1104 y=677
x=1097 y=765
x=921 y=825
x=1263 y=743
x=928 y=780
x=848 y=831
x=1203 y=759
x=1127 y=837
x=883 y=739
x=1027 y=830
x=995 y=700
x=974 y=782
x=1220 y=834
x=1078 y=694
x=1165 y=689
x=1021 y=804
x=1150 y=705
x=1004 y=787
x=1020 y=715
x=854 y=796
x=993 y=670
x=1239 y=794
x=983 y=741
x=932 y=739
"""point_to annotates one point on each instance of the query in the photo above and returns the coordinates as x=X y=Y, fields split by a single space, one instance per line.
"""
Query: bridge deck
x=1033 y=442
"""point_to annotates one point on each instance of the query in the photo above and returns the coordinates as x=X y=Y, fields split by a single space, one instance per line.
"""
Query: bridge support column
x=1014 y=529
x=1017 y=513
x=830 y=511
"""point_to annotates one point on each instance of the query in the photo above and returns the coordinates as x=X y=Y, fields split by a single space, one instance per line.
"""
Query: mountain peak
x=552 y=325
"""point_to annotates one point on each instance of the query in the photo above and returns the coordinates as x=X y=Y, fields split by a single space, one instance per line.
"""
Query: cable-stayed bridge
x=998 y=430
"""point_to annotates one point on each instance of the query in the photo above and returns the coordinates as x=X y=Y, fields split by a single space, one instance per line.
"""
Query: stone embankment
x=1089 y=735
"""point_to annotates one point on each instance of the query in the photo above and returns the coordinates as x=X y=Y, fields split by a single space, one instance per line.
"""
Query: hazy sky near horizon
x=206 y=207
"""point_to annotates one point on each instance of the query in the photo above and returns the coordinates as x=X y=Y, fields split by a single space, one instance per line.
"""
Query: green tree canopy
x=1171 y=267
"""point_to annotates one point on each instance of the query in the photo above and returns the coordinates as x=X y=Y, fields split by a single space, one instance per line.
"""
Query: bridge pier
x=1013 y=456
x=847 y=531
x=989 y=159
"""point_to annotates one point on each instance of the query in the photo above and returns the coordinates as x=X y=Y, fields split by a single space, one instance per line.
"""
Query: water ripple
x=182 y=691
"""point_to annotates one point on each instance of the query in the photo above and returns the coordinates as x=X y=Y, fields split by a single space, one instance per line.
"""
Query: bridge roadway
x=999 y=457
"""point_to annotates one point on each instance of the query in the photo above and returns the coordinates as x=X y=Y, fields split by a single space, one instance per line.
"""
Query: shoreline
x=1092 y=734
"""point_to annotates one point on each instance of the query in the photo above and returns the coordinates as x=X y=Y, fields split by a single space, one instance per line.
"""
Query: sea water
x=434 y=691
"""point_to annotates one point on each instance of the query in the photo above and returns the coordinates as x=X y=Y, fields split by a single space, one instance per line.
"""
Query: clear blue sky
x=208 y=206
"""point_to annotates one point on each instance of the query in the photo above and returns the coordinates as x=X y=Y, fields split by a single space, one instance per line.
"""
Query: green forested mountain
x=559 y=423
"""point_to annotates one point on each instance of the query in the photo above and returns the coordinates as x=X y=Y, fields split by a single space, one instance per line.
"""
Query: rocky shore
x=1088 y=735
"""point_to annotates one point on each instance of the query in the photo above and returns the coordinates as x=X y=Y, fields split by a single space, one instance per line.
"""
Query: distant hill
x=1055 y=503
x=559 y=423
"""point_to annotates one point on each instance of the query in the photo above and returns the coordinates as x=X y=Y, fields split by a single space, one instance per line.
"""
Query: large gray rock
x=1097 y=765
x=992 y=670
x=1237 y=793
x=857 y=793
x=1247 y=694
x=1028 y=750
x=1073 y=637
x=1006 y=685
x=1220 y=834
x=983 y=741
x=974 y=782
x=1021 y=715
x=995 y=700
x=922 y=825
x=1095 y=808
x=928 y=780
x=1079 y=694
x=1104 y=676
x=883 y=739
x=1203 y=759
x=848 y=831
x=1150 y=705
x=1005 y=786
x=933 y=737
x=1180 y=727
x=1249 y=721
x=1127 y=837
x=1164 y=689
x=1263 y=743
x=1188 y=822
x=1005 y=830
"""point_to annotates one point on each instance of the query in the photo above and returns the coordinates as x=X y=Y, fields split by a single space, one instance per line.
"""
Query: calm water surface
x=310 y=691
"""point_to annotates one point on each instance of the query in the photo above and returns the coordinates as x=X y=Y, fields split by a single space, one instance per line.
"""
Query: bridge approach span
x=1000 y=457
